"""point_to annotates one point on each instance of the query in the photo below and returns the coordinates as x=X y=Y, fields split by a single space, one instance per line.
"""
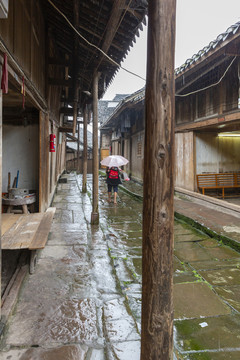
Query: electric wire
x=130 y=72
x=90 y=44
x=209 y=86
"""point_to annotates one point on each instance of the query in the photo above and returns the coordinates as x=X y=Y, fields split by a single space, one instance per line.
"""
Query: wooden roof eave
x=125 y=106
x=211 y=57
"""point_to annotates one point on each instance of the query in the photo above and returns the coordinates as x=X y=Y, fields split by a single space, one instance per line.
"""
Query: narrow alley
x=84 y=300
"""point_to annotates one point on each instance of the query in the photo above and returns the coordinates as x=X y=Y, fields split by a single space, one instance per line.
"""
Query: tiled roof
x=133 y=98
x=212 y=45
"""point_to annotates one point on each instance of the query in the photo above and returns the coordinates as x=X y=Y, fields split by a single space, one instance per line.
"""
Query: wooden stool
x=24 y=202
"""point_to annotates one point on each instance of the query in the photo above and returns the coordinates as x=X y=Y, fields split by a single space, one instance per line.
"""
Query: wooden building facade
x=26 y=119
x=207 y=123
x=207 y=115
x=123 y=133
x=57 y=58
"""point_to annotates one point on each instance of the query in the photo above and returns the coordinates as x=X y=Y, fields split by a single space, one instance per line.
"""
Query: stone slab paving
x=71 y=307
x=84 y=300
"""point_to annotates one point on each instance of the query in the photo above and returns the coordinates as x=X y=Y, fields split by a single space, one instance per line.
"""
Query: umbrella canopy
x=114 y=160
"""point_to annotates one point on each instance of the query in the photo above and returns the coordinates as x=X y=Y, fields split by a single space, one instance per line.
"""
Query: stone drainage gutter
x=208 y=201
x=123 y=188
x=204 y=200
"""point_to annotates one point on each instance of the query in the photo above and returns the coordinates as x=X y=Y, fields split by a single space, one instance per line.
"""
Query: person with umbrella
x=113 y=173
x=113 y=180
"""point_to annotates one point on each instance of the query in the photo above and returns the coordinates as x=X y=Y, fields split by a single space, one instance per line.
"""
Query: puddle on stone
x=129 y=350
x=68 y=352
x=121 y=330
x=74 y=321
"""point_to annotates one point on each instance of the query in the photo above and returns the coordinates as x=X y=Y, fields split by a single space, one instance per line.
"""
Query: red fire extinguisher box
x=52 y=143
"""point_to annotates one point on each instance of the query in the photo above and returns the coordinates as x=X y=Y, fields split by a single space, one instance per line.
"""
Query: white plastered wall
x=215 y=154
x=21 y=152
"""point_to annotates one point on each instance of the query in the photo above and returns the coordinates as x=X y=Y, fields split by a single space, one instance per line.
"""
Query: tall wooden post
x=95 y=214
x=75 y=67
x=239 y=83
x=78 y=150
x=85 y=121
x=1 y=191
x=158 y=214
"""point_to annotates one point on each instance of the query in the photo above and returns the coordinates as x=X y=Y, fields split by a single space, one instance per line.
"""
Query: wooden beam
x=118 y=47
x=158 y=212
x=60 y=82
x=232 y=50
x=112 y=25
x=72 y=137
x=65 y=129
x=66 y=111
x=208 y=121
x=58 y=61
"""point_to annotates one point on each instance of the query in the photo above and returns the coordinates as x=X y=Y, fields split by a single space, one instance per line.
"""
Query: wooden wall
x=215 y=154
x=51 y=165
x=185 y=161
x=24 y=35
x=213 y=101
x=44 y=183
x=137 y=156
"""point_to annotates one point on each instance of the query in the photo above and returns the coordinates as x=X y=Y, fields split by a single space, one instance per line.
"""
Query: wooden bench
x=218 y=181
x=27 y=231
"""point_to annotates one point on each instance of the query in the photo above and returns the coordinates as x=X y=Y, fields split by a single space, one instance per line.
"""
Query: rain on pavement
x=84 y=299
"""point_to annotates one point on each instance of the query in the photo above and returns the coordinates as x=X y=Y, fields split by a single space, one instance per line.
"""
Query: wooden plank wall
x=43 y=162
x=214 y=101
x=185 y=160
x=23 y=33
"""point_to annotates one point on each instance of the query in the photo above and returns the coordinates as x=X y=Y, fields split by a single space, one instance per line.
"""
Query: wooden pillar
x=78 y=150
x=238 y=83
x=85 y=121
x=158 y=213
x=95 y=214
x=0 y=188
x=75 y=67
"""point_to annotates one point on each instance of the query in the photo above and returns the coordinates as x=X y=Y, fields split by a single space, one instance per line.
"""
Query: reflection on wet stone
x=84 y=300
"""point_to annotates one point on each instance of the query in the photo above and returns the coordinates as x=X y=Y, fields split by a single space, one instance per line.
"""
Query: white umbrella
x=114 y=161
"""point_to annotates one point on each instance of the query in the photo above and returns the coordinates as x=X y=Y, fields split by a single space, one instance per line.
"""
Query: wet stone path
x=84 y=300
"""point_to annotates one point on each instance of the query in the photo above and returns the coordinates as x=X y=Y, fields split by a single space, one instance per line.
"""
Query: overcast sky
x=197 y=24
